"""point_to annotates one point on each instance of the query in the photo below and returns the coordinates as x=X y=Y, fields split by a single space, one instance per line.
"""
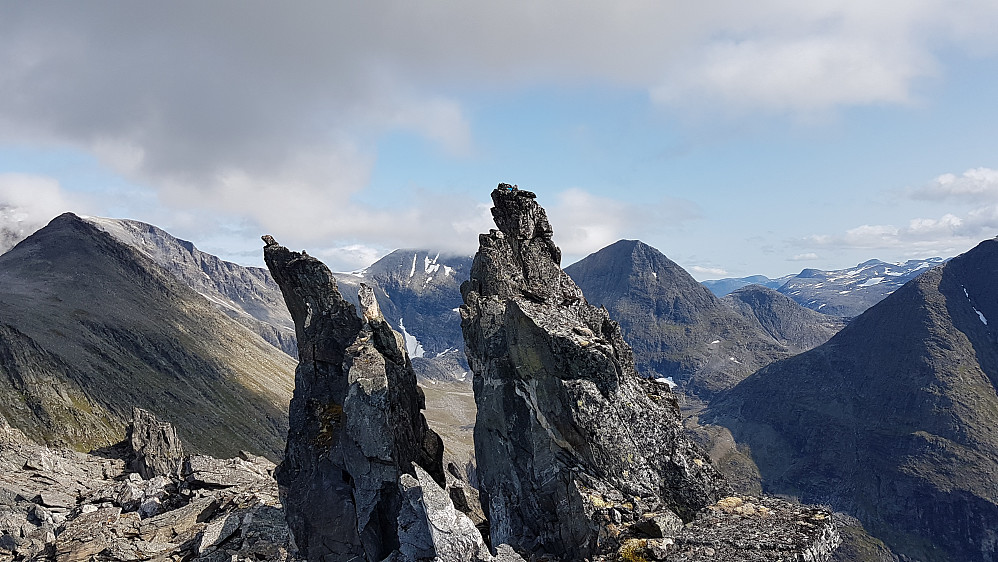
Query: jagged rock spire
x=570 y=443
x=356 y=426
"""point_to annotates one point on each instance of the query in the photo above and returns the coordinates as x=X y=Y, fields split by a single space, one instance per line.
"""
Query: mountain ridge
x=95 y=328
x=676 y=326
x=897 y=426
x=842 y=292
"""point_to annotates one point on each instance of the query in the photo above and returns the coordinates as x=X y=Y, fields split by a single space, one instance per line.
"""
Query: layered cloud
x=973 y=198
x=700 y=271
x=272 y=113
x=806 y=256
x=977 y=185
x=27 y=203
x=585 y=222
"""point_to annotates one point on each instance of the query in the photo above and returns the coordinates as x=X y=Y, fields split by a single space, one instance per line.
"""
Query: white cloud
x=708 y=270
x=29 y=202
x=921 y=236
x=805 y=74
x=972 y=216
x=351 y=257
x=978 y=185
x=584 y=223
x=807 y=256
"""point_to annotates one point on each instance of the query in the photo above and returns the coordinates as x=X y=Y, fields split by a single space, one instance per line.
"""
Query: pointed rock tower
x=571 y=444
x=357 y=431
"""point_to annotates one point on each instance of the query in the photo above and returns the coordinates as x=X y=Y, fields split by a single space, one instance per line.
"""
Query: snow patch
x=412 y=345
x=715 y=341
x=667 y=380
x=981 y=316
x=965 y=291
x=430 y=266
x=448 y=270
x=655 y=275
x=735 y=360
x=871 y=281
x=413 y=270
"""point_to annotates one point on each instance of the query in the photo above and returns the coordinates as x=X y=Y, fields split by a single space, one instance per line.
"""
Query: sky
x=736 y=137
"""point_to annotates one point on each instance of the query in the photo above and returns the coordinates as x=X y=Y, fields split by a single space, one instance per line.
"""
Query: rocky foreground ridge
x=142 y=499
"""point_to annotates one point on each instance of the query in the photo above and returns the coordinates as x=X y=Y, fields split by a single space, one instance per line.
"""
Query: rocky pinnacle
x=571 y=444
x=356 y=425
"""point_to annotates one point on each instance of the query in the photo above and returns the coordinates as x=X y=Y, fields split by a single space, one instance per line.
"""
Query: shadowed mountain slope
x=90 y=327
x=248 y=295
x=675 y=325
x=418 y=290
x=782 y=318
x=895 y=419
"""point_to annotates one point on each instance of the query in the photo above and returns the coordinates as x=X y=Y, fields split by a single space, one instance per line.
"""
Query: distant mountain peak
x=676 y=326
x=845 y=293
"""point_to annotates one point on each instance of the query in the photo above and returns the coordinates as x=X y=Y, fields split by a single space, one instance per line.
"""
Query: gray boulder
x=356 y=421
x=571 y=444
x=158 y=451
x=430 y=528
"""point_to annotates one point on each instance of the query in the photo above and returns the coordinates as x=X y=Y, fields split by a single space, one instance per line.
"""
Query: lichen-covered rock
x=571 y=445
x=742 y=529
x=205 y=471
x=356 y=421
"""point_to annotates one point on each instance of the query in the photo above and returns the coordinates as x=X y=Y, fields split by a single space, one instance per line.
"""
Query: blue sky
x=736 y=139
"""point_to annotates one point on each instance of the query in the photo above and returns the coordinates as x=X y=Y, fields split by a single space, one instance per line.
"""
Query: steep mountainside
x=246 y=294
x=895 y=419
x=418 y=290
x=90 y=327
x=676 y=326
x=425 y=290
x=779 y=316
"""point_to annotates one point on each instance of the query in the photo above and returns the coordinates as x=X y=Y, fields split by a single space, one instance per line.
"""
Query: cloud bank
x=975 y=190
x=29 y=202
x=272 y=112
